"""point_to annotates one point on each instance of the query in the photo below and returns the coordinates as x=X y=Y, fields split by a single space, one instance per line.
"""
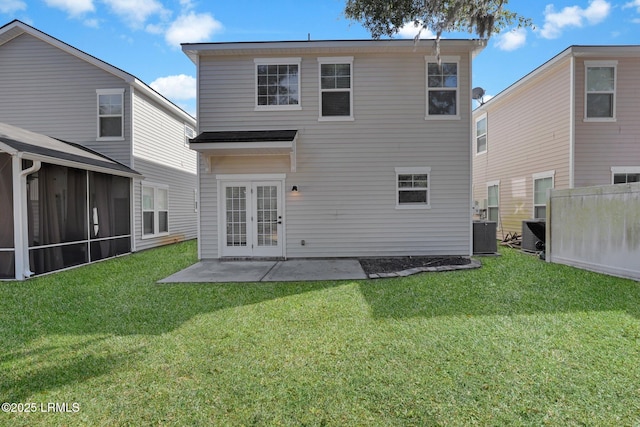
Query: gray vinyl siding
x=159 y=136
x=602 y=145
x=346 y=170
x=46 y=90
x=528 y=132
x=161 y=156
x=182 y=214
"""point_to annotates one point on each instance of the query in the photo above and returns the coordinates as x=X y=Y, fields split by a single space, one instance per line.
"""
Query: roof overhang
x=33 y=146
x=331 y=47
x=247 y=143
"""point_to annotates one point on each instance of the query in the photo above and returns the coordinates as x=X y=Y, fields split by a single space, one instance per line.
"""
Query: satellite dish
x=477 y=93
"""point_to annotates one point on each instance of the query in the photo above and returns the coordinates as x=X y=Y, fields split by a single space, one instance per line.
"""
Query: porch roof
x=35 y=146
x=247 y=142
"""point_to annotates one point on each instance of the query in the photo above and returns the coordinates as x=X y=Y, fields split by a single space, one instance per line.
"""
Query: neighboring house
x=54 y=89
x=334 y=148
x=62 y=204
x=572 y=122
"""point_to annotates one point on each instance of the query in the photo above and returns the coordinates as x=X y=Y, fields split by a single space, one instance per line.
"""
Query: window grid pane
x=335 y=87
x=413 y=188
x=600 y=88
x=277 y=84
x=110 y=111
x=236 y=216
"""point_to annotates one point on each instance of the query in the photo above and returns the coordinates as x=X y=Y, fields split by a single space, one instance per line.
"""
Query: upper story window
x=189 y=134
x=443 y=88
x=336 y=88
x=600 y=88
x=413 y=187
x=481 y=134
x=625 y=175
x=278 y=84
x=110 y=113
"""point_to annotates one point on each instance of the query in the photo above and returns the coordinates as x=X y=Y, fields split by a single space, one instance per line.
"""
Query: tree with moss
x=480 y=17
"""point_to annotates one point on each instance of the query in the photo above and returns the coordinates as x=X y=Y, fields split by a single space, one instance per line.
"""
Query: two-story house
x=572 y=122
x=53 y=89
x=334 y=148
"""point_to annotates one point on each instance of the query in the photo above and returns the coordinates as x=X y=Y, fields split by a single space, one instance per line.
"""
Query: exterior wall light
x=294 y=189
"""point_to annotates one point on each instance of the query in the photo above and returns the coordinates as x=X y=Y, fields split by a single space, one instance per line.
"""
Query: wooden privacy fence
x=596 y=228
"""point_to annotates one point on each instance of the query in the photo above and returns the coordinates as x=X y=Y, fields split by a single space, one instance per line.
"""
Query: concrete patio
x=269 y=271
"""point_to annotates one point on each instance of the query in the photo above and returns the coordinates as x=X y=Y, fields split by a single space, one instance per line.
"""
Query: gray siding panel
x=601 y=145
x=346 y=170
x=182 y=214
x=46 y=90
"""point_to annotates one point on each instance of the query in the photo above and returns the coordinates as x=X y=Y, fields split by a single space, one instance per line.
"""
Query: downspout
x=21 y=222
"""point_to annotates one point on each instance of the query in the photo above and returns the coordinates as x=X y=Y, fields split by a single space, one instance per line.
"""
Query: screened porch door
x=252 y=214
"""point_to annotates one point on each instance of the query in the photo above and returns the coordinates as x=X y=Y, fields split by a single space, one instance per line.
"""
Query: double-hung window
x=443 y=88
x=625 y=175
x=481 y=134
x=412 y=187
x=600 y=85
x=155 y=210
x=110 y=113
x=278 y=83
x=336 y=88
x=493 y=200
x=542 y=182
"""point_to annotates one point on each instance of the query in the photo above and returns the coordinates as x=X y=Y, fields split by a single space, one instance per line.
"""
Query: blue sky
x=143 y=37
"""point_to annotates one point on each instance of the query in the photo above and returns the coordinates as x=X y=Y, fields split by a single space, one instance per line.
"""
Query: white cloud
x=573 y=16
x=512 y=40
x=180 y=87
x=72 y=7
x=192 y=28
x=410 y=31
x=136 y=12
x=11 y=6
x=634 y=3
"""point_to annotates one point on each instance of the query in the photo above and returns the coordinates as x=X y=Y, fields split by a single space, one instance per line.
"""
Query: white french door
x=251 y=213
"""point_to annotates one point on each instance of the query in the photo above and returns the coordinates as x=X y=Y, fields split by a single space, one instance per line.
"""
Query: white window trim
x=493 y=184
x=277 y=61
x=614 y=65
x=486 y=135
x=429 y=59
x=413 y=171
x=119 y=91
x=541 y=175
x=615 y=170
x=156 y=221
x=335 y=60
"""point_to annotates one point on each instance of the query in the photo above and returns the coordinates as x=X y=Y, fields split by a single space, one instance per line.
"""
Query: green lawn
x=517 y=342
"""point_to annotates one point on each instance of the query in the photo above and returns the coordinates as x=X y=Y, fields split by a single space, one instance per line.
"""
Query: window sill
x=412 y=207
x=336 y=119
x=599 y=120
x=153 y=236
x=442 y=117
x=110 y=138
x=278 y=108
x=481 y=153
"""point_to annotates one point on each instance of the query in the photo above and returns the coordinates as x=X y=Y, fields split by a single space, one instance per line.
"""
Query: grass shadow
x=51 y=367
x=121 y=297
x=514 y=283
